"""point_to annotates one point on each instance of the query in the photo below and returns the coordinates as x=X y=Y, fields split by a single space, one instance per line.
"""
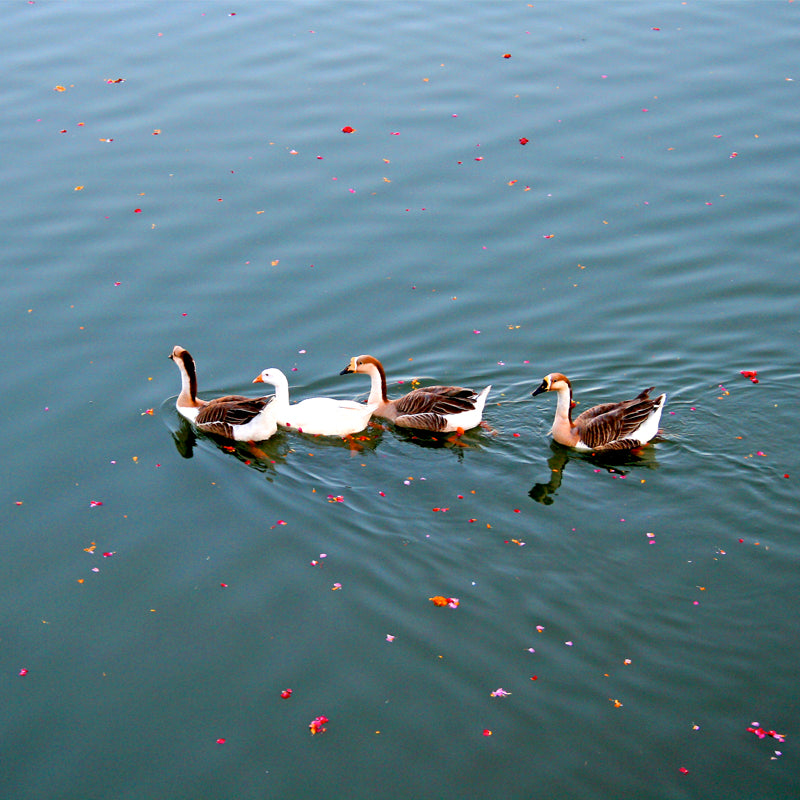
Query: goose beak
x=351 y=367
x=258 y=379
x=541 y=388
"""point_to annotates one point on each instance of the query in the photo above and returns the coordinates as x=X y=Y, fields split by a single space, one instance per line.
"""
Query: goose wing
x=426 y=421
x=222 y=414
x=609 y=425
x=438 y=400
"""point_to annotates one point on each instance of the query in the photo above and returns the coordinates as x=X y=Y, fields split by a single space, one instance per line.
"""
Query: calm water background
x=646 y=234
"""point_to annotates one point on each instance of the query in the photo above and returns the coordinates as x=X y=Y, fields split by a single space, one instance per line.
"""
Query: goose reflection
x=262 y=456
x=184 y=439
x=459 y=443
x=616 y=462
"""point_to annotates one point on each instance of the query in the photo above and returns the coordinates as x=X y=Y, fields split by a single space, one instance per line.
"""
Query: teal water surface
x=179 y=174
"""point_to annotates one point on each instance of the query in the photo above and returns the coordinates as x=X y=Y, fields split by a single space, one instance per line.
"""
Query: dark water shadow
x=364 y=441
x=262 y=456
x=458 y=444
x=616 y=462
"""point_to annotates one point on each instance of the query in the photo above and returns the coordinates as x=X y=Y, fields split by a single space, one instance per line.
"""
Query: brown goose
x=432 y=408
x=610 y=426
x=244 y=419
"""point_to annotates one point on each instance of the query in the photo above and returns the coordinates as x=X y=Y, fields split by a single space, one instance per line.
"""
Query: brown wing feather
x=609 y=424
x=449 y=391
x=230 y=410
x=426 y=421
x=600 y=430
x=218 y=429
x=437 y=400
x=238 y=398
x=622 y=444
x=596 y=411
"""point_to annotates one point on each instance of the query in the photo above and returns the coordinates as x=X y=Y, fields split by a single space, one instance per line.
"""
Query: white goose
x=244 y=419
x=610 y=426
x=432 y=408
x=318 y=416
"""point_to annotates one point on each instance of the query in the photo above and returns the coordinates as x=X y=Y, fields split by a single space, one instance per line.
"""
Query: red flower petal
x=317 y=725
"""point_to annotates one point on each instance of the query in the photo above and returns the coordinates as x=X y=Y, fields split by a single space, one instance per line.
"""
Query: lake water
x=177 y=173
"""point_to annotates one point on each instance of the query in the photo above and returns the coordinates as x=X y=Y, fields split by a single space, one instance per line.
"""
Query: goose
x=319 y=416
x=433 y=408
x=244 y=419
x=610 y=426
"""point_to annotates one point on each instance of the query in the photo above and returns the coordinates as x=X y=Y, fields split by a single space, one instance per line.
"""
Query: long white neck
x=563 y=408
x=377 y=387
x=281 y=384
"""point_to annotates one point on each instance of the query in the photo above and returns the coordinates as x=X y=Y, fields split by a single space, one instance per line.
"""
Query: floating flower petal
x=439 y=600
x=317 y=725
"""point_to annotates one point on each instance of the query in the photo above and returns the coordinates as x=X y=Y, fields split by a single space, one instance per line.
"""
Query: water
x=645 y=235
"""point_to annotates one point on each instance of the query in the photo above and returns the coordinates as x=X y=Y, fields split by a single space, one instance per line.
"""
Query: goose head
x=272 y=376
x=363 y=364
x=552 y=383
x=185 y=363
x=181 y=353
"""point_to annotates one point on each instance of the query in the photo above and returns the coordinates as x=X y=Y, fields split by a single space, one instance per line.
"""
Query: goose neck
x=377 y=389
x=188 y=395
x=564 y=404
x=281 y=384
